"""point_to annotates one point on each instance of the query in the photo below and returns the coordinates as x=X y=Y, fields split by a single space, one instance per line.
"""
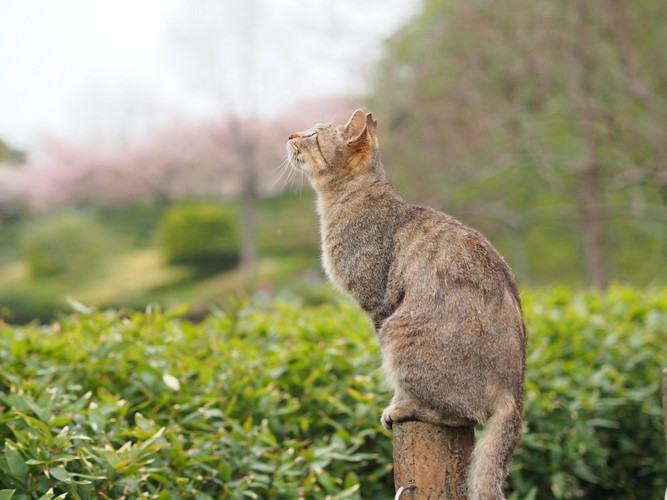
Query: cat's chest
x=355 y=254
x=329 y=267
x=337 y=251
x=357 y=234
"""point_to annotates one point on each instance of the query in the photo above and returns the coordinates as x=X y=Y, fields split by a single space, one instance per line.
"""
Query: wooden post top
x=430 y=462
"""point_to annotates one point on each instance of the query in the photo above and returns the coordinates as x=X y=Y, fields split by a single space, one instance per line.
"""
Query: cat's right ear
x=372 y=126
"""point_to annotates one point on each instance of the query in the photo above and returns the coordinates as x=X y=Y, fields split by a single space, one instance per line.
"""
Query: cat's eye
x=312 y=134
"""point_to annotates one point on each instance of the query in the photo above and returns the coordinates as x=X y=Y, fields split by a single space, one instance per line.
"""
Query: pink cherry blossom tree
x=178 y=161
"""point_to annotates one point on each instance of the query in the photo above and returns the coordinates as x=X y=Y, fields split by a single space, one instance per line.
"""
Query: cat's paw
x=386 y=419
x=406 y=411
x=396 y=413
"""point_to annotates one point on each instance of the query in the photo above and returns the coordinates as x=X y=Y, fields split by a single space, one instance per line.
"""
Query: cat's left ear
x=360 y=131
x=356 y=126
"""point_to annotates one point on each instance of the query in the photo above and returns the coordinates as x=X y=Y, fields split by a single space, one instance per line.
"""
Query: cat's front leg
x=396 y=412
x=404 y=408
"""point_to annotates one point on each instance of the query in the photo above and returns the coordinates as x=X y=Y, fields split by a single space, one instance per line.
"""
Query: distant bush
x=26 y=302
x=69 y=244
x=285 y=403
x=134 y=223
x=203 y=234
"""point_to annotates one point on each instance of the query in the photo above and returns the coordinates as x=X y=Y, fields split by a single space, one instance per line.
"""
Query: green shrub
x=135 y=223
x=69 y=244
x=21 y=303
x=285 y=403
x=593 y=409
x=203 y=234
x=273 y=404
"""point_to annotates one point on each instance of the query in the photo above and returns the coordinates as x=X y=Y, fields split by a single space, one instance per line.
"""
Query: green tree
x=70 y=246
x=554 y=113
x=11 y=200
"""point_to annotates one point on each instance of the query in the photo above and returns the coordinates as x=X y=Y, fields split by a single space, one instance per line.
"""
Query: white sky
x=83 y=69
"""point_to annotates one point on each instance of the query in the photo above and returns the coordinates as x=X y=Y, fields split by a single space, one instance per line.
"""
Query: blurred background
x=142 y=144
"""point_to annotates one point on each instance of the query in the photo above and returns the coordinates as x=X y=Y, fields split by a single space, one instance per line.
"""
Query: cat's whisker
x=283 y=170
x=279 y=176
x=280 y=170
x=289 y=173
x=286 y=175
x=292 y=175
x=282 y=164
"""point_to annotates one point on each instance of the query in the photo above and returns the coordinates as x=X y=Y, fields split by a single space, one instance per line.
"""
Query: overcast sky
x=82 y=69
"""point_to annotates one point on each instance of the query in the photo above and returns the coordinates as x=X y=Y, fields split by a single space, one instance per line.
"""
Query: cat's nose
x=292 y=136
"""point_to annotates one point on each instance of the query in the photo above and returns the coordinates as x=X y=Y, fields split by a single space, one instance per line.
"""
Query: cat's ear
x=360 y=131
x=356 y=126
x=371 y=127
x=371 y=123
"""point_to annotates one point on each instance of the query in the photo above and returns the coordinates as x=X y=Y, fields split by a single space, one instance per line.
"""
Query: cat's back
x=434 y=246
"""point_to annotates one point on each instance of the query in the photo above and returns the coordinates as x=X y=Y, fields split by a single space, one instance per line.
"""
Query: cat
x=442 y=300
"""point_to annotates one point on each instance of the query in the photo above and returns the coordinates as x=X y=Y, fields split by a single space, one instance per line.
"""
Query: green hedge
x=203 y=234
x=70 y=245
x=285 y=403
x=593 y=405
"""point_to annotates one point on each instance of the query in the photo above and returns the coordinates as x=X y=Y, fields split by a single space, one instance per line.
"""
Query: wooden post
x=430 y=462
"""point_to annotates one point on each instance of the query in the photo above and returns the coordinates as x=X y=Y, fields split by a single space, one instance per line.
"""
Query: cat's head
x=328 y=152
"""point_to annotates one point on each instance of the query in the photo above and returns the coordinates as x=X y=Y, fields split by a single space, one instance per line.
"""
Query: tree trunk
x=245 y=145
x=431 y=461
x=592 y=211
x=248 y=209
x=591 y=171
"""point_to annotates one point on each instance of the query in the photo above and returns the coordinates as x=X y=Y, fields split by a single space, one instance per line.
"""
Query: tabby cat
x=442 y=300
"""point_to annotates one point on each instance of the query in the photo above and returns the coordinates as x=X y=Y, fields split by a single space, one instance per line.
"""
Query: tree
x=11 y=181
x=178 y=161
x=173 y=163
x=555 y=111
x=243 y=58
x=220 y=43
x=9 y=154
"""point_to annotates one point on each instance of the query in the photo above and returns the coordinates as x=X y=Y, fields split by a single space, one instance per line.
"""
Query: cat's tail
x=493 y=451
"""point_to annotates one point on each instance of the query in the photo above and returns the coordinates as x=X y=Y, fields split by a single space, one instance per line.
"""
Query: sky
x=112 y=70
